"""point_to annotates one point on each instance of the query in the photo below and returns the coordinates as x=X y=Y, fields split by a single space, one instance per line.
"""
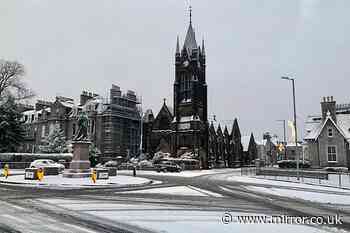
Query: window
x=332 y=154
x=43 y=129
x=74 y=129
x=330 y=132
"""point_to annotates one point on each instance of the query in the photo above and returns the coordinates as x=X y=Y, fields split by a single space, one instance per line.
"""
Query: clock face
x=186 y=63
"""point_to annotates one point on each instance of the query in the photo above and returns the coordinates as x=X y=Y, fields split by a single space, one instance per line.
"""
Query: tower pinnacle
x=177 y=45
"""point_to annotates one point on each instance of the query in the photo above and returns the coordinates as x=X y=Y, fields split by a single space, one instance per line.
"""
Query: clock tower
x=190 y=124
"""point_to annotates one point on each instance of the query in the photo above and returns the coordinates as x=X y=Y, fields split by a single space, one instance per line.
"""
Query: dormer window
x=330 y=132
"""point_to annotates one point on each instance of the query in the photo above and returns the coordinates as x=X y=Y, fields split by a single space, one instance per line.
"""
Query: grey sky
x=67 y=46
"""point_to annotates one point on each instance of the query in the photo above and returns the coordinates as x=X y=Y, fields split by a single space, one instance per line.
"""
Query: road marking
x=206 y=191
x=79 y=228
x=16 y=219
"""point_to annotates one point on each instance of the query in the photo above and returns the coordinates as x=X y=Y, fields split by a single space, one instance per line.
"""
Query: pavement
x=178 y=203
x=63 y=182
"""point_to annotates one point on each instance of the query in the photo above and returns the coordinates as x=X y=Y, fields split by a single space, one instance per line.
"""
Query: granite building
x=328 y=135
x=114 y=124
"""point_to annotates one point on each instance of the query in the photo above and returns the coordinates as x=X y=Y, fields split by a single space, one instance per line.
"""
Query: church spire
x=190 y=40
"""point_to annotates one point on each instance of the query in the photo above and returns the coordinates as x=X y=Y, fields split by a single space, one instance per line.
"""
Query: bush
x=292 y=164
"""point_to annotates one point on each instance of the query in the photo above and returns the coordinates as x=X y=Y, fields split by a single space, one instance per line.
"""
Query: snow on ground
x=13 y=171
x=170 y=219
x=334 y=180
x=177 y=190
x=76 y=182
x=186 y=173
x=309 y=196
x=252 y=180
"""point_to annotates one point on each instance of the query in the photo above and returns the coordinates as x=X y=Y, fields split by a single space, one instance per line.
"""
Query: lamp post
x=295 y=124
x=284 y=138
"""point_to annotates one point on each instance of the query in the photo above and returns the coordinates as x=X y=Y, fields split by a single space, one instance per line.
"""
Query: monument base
x=77 y=173
x=80 y=165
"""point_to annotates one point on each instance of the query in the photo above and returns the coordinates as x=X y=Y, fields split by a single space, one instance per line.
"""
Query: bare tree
x=11 y=73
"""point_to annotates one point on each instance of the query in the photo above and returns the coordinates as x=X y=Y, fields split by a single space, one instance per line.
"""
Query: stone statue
x=82 y=133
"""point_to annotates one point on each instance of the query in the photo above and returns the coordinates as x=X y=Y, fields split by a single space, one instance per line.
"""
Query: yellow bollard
x=6 y=171
x=94 y=176
x=40 y=174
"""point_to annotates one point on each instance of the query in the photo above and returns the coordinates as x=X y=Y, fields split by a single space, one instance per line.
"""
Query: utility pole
x=295 y=124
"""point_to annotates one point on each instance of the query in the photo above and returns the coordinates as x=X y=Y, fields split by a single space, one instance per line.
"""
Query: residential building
x=328 y=135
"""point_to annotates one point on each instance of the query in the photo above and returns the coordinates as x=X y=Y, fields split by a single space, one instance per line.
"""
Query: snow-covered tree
x=55 y=142
x=11 y=127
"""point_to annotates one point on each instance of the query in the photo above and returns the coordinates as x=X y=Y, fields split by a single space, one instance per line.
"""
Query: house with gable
x=328 y=135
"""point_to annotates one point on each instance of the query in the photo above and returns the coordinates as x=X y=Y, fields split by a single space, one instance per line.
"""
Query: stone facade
x=328 y=136
x=114 y=124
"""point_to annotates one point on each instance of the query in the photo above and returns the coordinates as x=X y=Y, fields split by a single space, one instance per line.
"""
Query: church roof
x=190 y=40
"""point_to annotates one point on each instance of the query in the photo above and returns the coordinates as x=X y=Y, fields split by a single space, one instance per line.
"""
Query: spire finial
x=177 y=45
x=164 y=101
x=190 y=9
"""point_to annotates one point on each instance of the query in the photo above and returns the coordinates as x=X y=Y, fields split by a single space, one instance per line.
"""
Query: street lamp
x=284 y=138
x=295 y=124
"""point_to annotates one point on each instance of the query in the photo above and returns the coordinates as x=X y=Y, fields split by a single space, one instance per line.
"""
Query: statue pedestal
x=80 y=164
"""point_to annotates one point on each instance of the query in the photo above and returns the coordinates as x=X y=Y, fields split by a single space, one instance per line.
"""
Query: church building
x=183 y=128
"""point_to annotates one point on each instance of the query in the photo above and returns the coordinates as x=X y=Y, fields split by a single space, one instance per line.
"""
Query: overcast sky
x=67 y=46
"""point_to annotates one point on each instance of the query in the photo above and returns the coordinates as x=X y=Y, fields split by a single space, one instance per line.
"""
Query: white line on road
x=16 y=219
x=80 y=228
x=206 y=191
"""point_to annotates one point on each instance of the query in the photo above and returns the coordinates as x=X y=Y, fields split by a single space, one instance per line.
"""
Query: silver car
x=42 y=163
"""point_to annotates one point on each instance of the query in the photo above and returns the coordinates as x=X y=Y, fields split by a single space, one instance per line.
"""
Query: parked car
x=110 y=163
x=42 y=163
x=167 y=167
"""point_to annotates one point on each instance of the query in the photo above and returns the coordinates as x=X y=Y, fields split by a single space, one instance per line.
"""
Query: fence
x=316 y=177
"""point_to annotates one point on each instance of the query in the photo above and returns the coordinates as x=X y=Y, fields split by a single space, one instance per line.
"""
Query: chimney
x=84 y=97
x=115 y=92
x=328 y=105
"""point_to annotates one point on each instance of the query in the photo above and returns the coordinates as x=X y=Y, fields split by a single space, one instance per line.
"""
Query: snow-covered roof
x=292 y=144
x=94 y=104
x=314 y=128
x=189 y=118
x=312 y=125
x=28 y=112
x=343 y=121
x=274 y=140
x=68 y=104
